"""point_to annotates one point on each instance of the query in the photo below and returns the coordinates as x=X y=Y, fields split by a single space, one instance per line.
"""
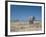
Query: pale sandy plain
x=22 y=27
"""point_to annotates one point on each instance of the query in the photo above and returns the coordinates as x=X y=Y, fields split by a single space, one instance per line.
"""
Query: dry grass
x=19 y=27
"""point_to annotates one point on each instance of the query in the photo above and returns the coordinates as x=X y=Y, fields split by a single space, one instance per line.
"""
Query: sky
x=21 y=12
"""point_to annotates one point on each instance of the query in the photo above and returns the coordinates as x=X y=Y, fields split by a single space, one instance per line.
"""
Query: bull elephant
x=31 y=20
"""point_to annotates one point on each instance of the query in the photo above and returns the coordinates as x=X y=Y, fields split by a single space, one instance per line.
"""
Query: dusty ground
x=19 y=27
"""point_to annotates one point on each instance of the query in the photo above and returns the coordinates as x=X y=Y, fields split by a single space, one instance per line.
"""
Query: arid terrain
x=20 y=27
